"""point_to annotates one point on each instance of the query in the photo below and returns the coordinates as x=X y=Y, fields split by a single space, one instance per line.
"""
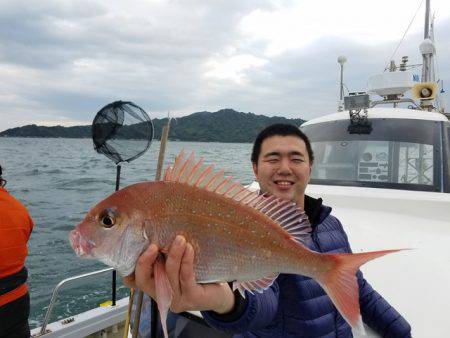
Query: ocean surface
x=59 y=180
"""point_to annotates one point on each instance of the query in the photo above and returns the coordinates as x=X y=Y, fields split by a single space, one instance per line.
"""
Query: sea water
x=59 y=180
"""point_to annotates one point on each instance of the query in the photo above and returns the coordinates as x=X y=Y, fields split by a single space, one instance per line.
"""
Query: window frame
x=397 y=130
x=446 y=155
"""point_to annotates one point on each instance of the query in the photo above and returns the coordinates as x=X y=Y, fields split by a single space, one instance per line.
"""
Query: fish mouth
x=80 y=245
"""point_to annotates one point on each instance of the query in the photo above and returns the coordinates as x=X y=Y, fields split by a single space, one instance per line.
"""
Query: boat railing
x=395 y=102
x=56 y=291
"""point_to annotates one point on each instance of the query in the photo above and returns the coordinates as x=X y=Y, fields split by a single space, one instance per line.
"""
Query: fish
x=238 y=235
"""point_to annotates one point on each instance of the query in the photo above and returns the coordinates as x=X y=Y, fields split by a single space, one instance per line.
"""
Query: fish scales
x=228 y=242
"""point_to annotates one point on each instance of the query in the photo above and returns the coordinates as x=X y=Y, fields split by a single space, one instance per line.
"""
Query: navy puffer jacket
x=297 y=306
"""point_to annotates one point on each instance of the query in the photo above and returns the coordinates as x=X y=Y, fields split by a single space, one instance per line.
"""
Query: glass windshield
x=400 y=154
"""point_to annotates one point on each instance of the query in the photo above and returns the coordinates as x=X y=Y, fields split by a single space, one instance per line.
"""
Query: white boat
x=392 y=192
x=385 y=171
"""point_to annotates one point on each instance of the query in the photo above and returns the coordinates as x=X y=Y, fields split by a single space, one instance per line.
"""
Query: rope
x=403 y=37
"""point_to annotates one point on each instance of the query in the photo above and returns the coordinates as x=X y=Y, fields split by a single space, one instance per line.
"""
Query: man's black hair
x=280 y=129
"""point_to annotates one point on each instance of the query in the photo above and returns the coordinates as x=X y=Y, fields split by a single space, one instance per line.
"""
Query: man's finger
x=173 y=263
x=148 y=257
x=187 y=277
x=129 y=281
x=144 y=270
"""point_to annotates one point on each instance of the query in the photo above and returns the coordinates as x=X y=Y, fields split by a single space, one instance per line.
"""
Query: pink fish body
x=237 y=235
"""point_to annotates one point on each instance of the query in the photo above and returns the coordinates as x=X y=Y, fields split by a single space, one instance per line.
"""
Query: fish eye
x=108 y=219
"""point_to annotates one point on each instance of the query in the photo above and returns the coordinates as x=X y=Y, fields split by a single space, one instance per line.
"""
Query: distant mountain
x=33 y=130
x=226 y=125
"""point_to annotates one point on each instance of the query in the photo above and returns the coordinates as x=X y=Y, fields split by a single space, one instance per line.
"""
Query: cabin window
x=374 y=161
x=395 y=153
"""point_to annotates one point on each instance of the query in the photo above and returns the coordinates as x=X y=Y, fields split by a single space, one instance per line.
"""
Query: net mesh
x=122 y=131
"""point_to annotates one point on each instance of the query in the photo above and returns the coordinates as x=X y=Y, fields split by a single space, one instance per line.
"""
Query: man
x=294 y=306
x=15 y=229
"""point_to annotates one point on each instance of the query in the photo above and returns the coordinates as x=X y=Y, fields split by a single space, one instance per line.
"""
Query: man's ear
x=255 y=169
x=310 y=171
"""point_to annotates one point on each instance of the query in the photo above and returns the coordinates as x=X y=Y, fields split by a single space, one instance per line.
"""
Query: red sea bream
x=238 y=235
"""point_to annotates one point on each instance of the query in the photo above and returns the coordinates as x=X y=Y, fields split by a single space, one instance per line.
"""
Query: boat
x=385 y=170
x=392 y=193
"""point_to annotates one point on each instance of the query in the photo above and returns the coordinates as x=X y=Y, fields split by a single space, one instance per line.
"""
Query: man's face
x=283 y=167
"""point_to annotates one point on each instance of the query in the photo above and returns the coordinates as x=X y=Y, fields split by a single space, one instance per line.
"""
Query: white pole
x=341 y=60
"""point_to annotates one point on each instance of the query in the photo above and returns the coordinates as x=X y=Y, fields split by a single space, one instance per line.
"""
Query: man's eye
x=298 y=160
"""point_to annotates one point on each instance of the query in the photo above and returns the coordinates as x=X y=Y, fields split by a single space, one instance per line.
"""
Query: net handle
x=154 y=308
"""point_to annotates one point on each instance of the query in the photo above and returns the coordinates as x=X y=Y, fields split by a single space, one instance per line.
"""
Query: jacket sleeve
x=257 y=311
x=378 y=314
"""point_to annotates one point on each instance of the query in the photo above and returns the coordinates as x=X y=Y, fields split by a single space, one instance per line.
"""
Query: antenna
x=426 y=32
x=341 y=60
x=427 y=49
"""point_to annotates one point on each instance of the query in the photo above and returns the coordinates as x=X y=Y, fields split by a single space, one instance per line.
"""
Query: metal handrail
x=56 y=290
x=405 y=100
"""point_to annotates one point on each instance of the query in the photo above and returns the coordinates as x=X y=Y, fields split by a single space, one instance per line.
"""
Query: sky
x=62 y=61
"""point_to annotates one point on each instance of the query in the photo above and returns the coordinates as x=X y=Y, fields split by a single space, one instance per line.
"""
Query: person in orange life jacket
x=15 y=229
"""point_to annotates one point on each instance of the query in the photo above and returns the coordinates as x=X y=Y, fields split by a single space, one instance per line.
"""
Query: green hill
x=226 y=125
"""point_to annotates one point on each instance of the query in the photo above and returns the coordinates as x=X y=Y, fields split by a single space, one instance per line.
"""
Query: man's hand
x=187 y=294
x=142 y=278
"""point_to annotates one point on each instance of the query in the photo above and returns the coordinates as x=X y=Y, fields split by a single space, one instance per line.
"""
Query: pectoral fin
x=258 y=285
x=163 y=292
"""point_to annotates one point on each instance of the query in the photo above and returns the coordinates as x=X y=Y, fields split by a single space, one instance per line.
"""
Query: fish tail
x=341 y=284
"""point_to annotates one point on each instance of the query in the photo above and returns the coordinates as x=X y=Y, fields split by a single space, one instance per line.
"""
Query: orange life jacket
x=15 y=229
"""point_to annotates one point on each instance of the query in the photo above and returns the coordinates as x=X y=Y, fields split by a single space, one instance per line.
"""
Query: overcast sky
x=61 y=61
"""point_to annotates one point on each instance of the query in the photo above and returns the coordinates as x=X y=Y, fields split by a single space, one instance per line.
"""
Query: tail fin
x=340 y=283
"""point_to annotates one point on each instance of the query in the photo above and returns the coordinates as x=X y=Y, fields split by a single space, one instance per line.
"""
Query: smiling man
x=294 y=305
x=282 y=163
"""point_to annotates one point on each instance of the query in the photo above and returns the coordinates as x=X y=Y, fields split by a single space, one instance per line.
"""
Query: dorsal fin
x=287 y=214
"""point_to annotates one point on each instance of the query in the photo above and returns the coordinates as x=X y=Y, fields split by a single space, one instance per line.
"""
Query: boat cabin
x=393 y=148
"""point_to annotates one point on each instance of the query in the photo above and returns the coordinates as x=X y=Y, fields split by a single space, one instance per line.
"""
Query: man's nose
x=284 y=168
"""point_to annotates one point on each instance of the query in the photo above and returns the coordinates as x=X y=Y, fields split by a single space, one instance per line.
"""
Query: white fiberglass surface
x=412 y=281
x=385 y=113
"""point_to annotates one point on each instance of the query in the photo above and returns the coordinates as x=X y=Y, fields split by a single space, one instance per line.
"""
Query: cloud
x=60 y=62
